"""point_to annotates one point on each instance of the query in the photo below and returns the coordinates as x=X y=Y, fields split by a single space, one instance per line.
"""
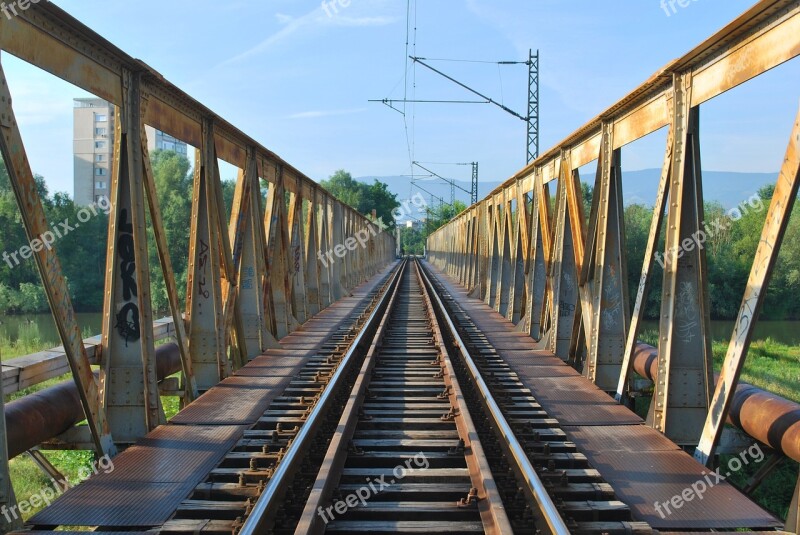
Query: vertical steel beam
x=521 y=247
x=312 y=253
x=128 y=374
x=780 y=210
x=563 y=292
x=337 y=239
x=683 y=387
x=505 y=277
x=249 y=242
x=277 y=252
x=646 y=278
x=297 y=256
x=793 y=517
x=493 y=275
x=326 y=297
x=607 y=272
x=8 y=501
x=55 y=286
x=204 y=310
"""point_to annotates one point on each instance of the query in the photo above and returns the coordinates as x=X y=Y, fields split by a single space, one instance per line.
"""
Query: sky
x=298 y=76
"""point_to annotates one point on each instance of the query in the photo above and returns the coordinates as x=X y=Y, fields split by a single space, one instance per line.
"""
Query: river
x=42 y=327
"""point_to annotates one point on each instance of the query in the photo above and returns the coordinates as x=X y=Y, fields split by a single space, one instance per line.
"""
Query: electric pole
x=474 y=198
x=533 y=105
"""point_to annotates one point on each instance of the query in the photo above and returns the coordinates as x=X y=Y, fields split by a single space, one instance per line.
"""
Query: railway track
x=392 y=428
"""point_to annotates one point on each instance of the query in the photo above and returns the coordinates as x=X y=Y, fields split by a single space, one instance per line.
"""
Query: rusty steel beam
x=36 y=226
x=769 y=246
x=45 y=414
x=766 y=417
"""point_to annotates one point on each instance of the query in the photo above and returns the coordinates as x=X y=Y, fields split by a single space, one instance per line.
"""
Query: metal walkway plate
x=575 y=400
x=147 y=481
x=649 y=481
x=641 y=464
x=238 y=400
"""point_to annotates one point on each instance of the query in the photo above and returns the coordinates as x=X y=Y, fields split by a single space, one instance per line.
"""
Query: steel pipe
x=764 y=416
x=45 y=414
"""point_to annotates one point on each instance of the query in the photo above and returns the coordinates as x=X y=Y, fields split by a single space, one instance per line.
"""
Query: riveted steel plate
x=236 y=400
x=149 y=479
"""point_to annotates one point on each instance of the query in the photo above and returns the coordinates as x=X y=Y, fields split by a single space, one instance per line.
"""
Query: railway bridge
x=489 y=387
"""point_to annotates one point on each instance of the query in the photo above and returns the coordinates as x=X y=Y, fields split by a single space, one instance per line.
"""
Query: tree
x=171 y=173
x=411 y=241
x=363 y=197
x=342 y=186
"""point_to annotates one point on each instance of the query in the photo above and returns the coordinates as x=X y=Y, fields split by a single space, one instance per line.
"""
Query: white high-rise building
x=93 y=147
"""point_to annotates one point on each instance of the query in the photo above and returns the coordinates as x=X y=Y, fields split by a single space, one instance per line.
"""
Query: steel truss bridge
x=484 y=389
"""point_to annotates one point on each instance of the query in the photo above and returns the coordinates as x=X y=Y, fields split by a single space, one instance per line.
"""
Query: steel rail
x=337 y=450
x=274 y=490
x=534 y=485
x=490 y=503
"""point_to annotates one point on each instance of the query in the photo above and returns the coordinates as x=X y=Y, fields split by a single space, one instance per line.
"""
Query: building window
x=99 y=171
x=99 y=144
x=100 y=131
x=100 y=117
x=100 y=158
x=99 y=185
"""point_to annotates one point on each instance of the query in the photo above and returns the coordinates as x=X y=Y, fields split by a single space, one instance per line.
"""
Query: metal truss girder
x=683 y=388
x=777 y=220
x=128 y=375
x=49 y=267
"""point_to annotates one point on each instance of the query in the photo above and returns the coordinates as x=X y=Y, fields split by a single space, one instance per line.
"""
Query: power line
x=468 y=88
x=389 y=102
x=450 y=181
x=475 y=61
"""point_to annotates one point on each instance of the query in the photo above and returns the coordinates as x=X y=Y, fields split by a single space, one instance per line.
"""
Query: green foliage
x=363 y=197
x=412 y=241
x=729 y=252
x=171 y=173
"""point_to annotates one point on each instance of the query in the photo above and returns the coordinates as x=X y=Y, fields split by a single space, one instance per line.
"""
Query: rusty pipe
x=45 y=414
x=764 y=416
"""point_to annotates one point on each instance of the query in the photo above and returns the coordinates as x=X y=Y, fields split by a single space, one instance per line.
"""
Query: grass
x=774 y=367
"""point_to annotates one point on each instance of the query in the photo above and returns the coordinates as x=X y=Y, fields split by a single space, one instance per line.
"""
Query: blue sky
x=299 y=80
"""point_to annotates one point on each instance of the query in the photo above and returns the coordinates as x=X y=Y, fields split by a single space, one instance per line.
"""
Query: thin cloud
x=315 y=114
x=313 y=20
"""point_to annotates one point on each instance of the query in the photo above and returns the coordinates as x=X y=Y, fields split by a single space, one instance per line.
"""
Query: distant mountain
x=726 y=187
